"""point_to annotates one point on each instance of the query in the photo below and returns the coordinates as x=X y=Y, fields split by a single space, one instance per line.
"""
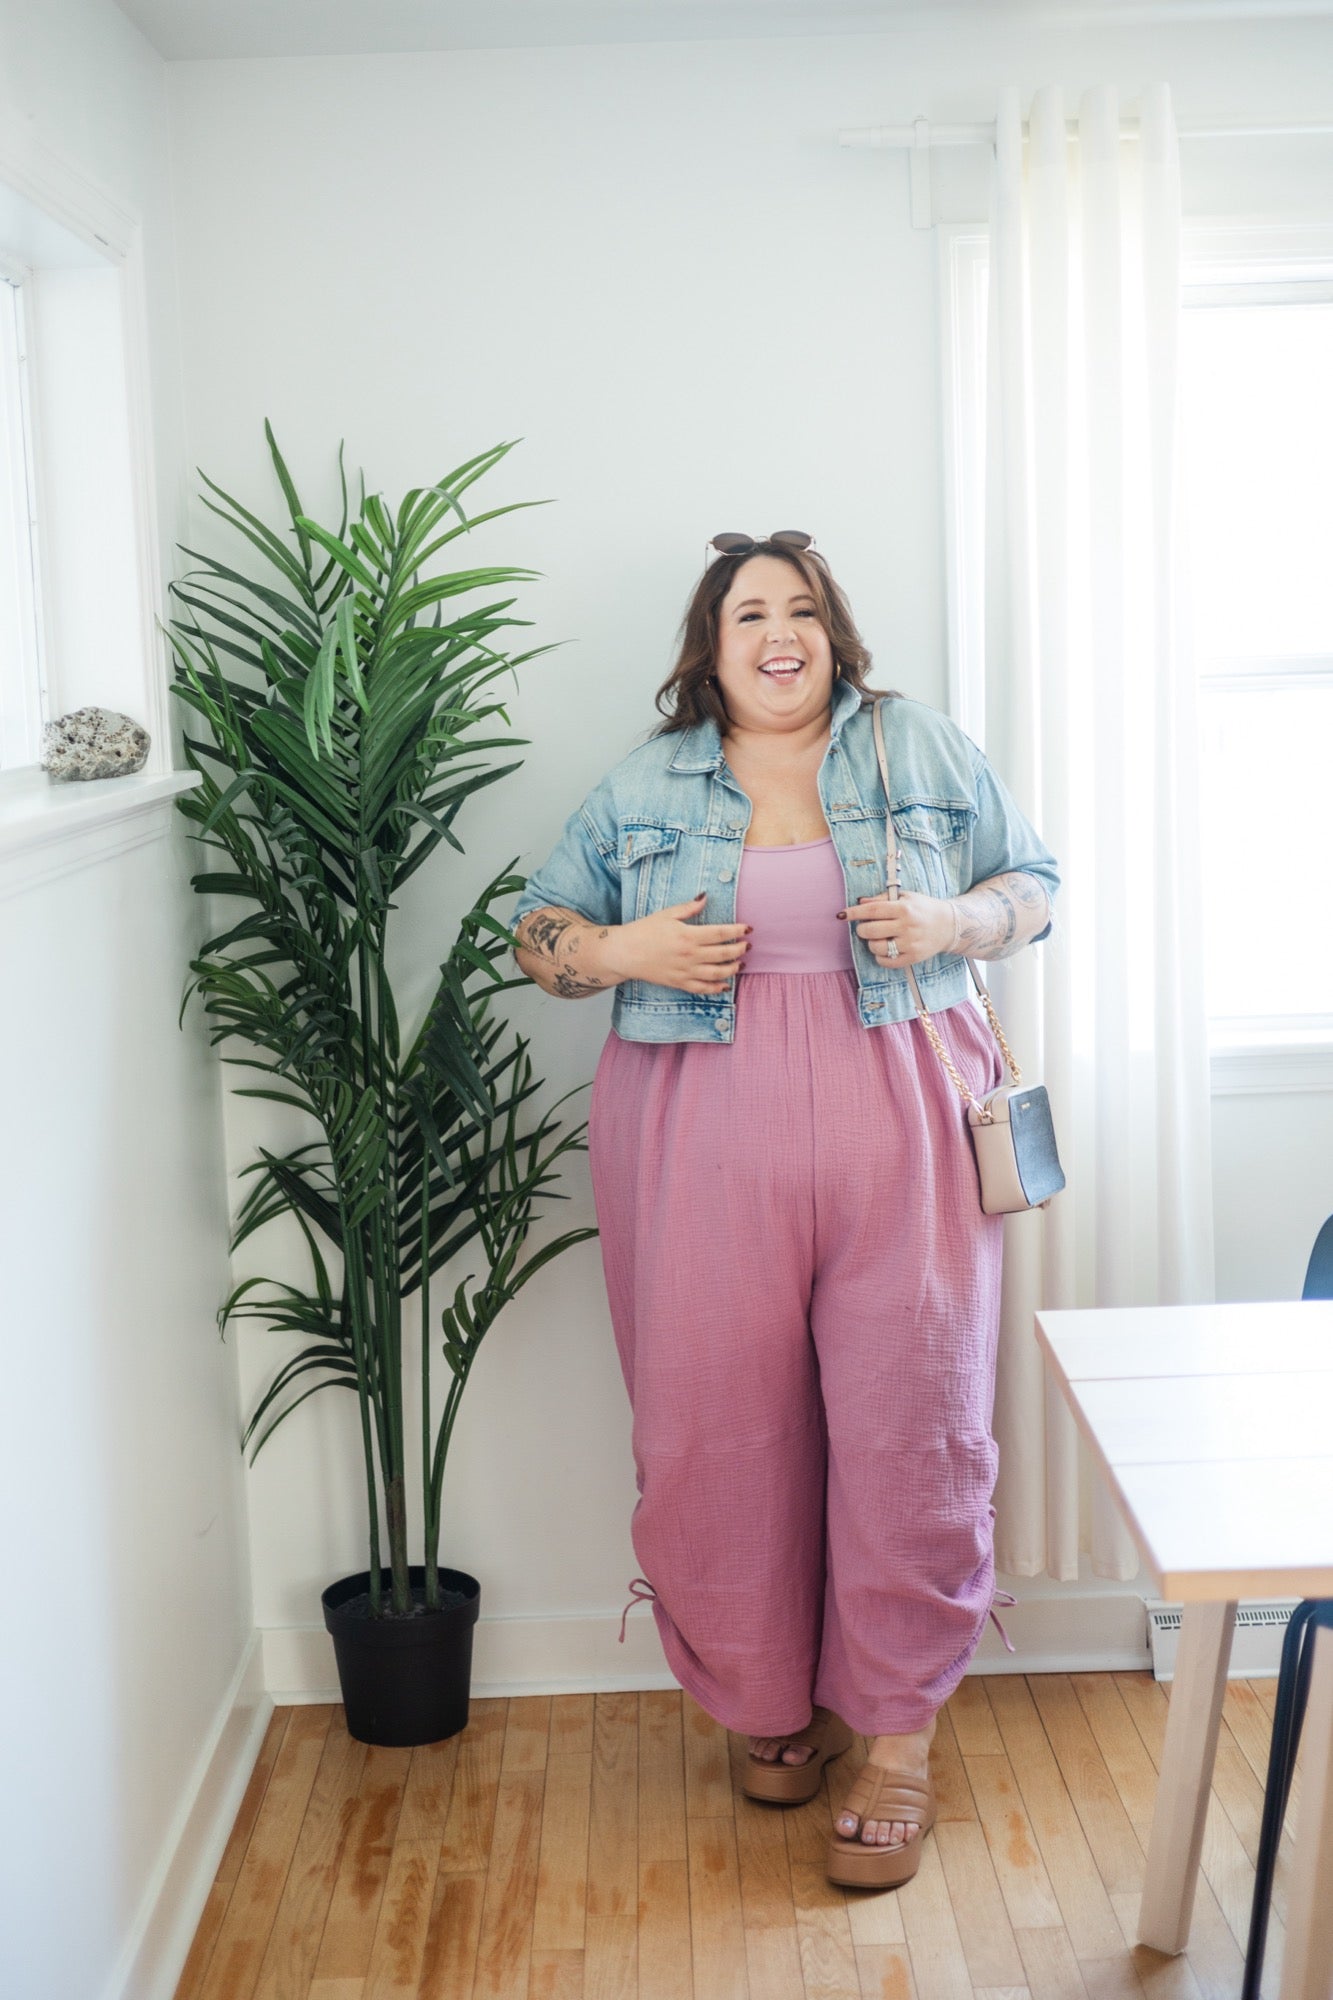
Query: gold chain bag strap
x=1013 y=1136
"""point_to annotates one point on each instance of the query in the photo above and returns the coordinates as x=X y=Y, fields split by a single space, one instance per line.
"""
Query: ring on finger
x=891 y=949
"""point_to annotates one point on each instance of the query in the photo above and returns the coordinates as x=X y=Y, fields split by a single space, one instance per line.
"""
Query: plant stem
x=430 y=1512
x=450 y=1411
x=354 y=1279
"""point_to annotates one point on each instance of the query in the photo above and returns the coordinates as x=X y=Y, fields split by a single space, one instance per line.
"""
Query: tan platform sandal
x=880 y=1794
x=792 y=1784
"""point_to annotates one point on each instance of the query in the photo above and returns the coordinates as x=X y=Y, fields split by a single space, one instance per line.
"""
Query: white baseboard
x=154 y=1954
x=1082 y=1632
x=1074 y=1633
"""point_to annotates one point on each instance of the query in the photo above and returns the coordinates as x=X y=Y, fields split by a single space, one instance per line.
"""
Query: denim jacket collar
x=701 y=745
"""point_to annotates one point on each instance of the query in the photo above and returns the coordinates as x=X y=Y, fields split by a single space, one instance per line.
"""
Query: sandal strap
x=880 y=1794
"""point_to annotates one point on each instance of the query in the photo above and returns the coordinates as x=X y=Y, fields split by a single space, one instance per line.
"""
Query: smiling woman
x=775 y=572
x=804 y=1289
x=774 y=670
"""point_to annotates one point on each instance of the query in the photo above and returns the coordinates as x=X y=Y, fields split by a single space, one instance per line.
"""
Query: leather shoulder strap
x=892 y=855
x=892 y=858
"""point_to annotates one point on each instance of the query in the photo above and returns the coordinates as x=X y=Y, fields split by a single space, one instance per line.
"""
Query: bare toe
x=771 y=1749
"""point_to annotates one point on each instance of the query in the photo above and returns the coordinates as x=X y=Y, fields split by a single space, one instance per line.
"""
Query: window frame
x=23 y=690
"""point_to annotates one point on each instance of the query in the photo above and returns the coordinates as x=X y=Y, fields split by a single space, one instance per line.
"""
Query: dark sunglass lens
x=731 y=545
x=792 y=538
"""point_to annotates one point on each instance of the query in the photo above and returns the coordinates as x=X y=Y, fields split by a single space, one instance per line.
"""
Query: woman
x=803 y=1287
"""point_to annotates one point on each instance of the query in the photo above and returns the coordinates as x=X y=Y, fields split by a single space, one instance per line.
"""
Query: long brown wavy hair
x=687 y=696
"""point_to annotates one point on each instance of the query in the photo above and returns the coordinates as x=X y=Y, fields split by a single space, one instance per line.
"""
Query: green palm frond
x=339 y=689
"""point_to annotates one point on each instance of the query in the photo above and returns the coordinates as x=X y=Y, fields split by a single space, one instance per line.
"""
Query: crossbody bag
x=1013 y=1136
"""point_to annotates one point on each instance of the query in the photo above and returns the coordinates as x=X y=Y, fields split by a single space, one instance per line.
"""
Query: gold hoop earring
x=837 y=671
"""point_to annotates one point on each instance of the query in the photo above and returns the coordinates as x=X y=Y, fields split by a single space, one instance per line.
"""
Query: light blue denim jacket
x=669 y=821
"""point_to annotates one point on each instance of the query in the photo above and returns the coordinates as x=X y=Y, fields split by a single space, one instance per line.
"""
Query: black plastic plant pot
x=404 y=1680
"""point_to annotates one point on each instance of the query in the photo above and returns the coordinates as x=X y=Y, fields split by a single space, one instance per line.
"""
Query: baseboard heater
x=1256 y=1647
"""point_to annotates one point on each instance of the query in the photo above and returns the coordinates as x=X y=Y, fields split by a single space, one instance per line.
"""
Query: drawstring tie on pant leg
x=1002 y=1597
x=636 y=1596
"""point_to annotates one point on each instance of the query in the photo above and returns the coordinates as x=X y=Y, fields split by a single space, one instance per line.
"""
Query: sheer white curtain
x=1089 y=702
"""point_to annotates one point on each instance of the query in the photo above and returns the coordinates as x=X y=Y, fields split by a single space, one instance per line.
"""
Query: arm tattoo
x=999 y=916
x=553 y=936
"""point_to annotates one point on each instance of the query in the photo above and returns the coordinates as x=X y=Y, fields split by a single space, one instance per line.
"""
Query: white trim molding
x=64 y=192
x=175 y=1899
x=1263 y=1065
x=51 y=827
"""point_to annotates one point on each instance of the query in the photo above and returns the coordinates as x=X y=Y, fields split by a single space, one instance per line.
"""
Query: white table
x=1213 y=1426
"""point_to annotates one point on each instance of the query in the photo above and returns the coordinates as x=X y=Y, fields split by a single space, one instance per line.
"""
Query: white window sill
x=1271 y=1061
x=50 y=827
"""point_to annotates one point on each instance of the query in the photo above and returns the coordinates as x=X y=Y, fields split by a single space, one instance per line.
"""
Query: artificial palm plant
x=340 y=702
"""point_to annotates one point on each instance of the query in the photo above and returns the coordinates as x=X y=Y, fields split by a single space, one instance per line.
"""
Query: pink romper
x=805 y=1299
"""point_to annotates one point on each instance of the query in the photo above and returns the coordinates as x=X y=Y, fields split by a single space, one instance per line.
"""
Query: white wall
x=127 y=1601
x=656 y=266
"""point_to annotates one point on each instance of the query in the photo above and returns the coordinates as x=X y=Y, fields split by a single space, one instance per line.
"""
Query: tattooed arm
x=571 y=956
x=999 y=916
x=994 y=919
x=565 y=954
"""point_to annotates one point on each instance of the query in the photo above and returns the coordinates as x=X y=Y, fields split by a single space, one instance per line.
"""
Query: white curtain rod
x=922 y=132
x=920 y=137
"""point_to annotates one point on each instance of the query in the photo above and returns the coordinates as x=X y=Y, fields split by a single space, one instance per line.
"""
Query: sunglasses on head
x=740 y=545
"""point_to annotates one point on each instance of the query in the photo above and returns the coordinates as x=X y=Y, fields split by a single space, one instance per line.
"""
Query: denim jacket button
x=725 y=876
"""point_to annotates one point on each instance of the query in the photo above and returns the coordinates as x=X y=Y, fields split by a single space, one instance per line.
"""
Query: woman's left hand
x=920 y=926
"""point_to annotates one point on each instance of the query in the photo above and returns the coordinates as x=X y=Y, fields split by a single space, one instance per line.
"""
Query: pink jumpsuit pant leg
x=905 y=1318
x=706 y=1219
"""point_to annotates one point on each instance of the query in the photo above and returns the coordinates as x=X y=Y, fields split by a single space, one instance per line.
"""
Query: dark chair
x=1319 y=1273
x=1293 y=1688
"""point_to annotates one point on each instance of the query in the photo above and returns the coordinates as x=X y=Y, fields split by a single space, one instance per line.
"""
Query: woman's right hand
x=666 y=949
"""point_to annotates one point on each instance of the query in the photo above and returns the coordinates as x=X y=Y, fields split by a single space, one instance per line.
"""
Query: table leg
x=1307 y=1958
x=1193 y=1719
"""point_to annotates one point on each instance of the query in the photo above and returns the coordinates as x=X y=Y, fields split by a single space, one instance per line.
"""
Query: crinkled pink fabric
x=805 y=1299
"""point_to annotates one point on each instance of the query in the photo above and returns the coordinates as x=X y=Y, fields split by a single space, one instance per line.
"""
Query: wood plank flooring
x=599 y=1847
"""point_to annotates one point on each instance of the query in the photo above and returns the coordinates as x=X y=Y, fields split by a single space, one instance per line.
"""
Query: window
x=1257 y=431
x=22 y=688
x=80 y=559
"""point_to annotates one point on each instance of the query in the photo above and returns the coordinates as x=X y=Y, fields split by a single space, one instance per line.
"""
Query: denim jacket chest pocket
x=935 y=840
x=650 y=856
x=646 y=853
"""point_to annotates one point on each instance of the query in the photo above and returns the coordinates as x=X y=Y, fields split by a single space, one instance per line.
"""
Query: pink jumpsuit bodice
x=792 y=895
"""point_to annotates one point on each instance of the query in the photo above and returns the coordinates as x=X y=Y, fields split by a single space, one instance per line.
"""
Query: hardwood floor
x=599 y=1847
